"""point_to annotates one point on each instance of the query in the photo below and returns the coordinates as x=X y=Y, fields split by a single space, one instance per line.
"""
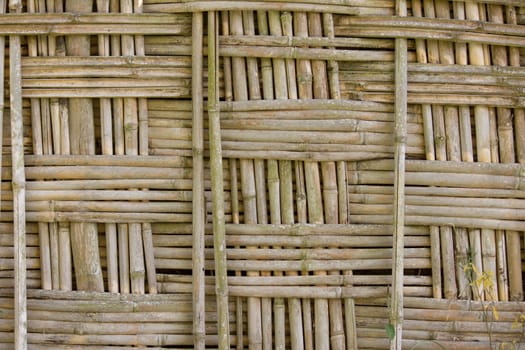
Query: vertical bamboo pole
x=482 y=119
x=84 y=236
x=199 y=331
x=513 y=238
x=435 y=244
x=18 y=184
x=217 y=185
x=400 y=131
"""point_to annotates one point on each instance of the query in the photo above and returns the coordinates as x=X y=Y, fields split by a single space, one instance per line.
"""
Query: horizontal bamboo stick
x=104 y=172
x=167 y=184
x=197 y=6
x=107 y=217
x=166 y=92
x=282 y=41
x=316 y=253
x=101 y=62
x=305 y=104
x=303 y=53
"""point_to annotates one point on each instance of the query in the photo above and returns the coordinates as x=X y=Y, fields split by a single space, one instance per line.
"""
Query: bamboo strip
x=252 y=5
x=217 y=180
x=400 y=106
x=198 y=187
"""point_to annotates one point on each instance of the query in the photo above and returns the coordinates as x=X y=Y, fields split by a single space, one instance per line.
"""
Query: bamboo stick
x=18 y=183
x=198 y=187
x=217 y=180
x=396 y=317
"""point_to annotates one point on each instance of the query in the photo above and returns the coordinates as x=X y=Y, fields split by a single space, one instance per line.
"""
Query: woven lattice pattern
x=340 y=174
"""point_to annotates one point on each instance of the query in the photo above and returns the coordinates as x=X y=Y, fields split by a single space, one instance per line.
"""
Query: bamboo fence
x=337 y=174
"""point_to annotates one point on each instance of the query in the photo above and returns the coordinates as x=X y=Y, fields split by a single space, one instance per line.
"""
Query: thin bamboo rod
x=396 y=317
x=18 y=183
x=199 y=331
x=217 y=185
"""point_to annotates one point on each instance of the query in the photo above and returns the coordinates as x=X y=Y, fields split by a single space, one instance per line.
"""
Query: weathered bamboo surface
x=221 y=174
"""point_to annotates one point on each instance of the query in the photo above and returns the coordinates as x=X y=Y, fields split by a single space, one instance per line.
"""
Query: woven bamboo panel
x=339 y=174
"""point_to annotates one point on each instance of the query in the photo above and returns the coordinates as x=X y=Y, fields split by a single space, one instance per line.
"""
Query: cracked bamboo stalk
x=84 y=236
